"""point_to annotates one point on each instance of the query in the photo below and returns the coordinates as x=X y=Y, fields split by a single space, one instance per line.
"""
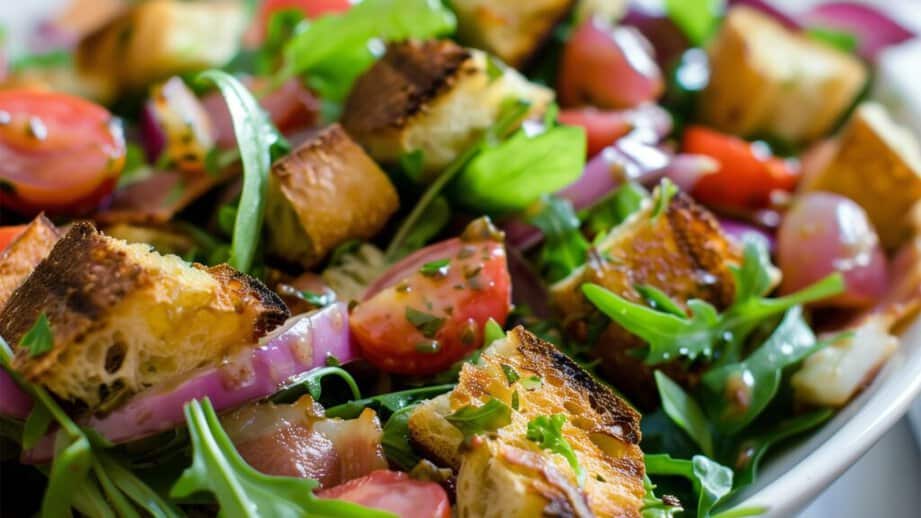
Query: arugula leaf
x=334 y=50
x=134 y=488
x=564 y=248
x=471 y=420
x=39 y=339
x=755 y=277
x=664 y=194
x=412 y=163
x=283 y=24
x=395 y=440
x=239 y=489
x=511 y=175
x=696 y=18
x=659 y=300
x=616 y=208
x=387 y=403
x=71 y=465
x=685 y=412
x=492 y=331
x=711 y=480
x=256 y=136
x=36 y=426
x=52 y=59
x=311 y=382
x=547 y=432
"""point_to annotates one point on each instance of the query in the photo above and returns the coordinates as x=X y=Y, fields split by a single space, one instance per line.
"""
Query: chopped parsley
x=38 y=340
x=437 y=268
x=426 y=323
x=510 y=374
x=547 y=432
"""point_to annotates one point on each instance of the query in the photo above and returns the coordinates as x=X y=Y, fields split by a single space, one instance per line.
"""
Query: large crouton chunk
x=768 y=80
x=435 y=97
x=124 y=318
x=878 y=165
x=326 y=192
x=23 y=254
x=513 y=30
x=504 y=474
x=682 y=252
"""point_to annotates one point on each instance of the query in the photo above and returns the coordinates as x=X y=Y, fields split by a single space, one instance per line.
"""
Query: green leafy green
x=429 y=224
x=332 y=51
x=492 y=331
x=39 y=339
x=36 y=426
x=395 y=440
x=52 y=59
x=511 y=375
x=437 y=268
x=510 y=175
x=239 y=489
x=842 y=40
x=685 y=412
x=475 y=420
x=696 y=18
x=615 y=209
x=659 y=300
x=312 y=382
x=564 y=247
x=547 y=432
x=664 y=194
x=256 y=136
x=320 y=300
x=712 y=481
x=283 y=24
x=387 y=403
x=413 y=163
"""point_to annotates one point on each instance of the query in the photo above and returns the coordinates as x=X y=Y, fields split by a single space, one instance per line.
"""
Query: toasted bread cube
x=124 y=318
x=434 y=97
x=326 y=192
x=504 y=474
x=682 y=252
x=513 y=30
x=768 y=80
x=24 y=253
x=878 y=165
x=161 y=38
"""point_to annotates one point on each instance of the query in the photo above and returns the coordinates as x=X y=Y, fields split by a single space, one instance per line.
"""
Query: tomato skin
x=311 y=9
x=475 y=287
x=602 y=128
x=395 y=492
x=8 y=234
x=58 y=153
x=746 y=177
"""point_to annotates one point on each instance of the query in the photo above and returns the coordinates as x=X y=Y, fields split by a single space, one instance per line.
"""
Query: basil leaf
x=386 y=404
x=471 y=420
x=697 y=19
x=564 y=248
x=513 y=174
x=712 y=481
x=39 y=339
x=239 y=489
x=547 y=432
x=255 y=136
x=685 y=412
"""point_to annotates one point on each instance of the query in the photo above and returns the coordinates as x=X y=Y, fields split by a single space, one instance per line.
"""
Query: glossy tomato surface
x=58 y=153
x=395 y=492
x=434 y=315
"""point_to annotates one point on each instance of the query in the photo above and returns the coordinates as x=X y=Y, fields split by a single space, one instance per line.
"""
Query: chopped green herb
x=471 y=420
x=664 y=194
x=494 y=68
x=515 y=400
x=696 y=18
x=426 y=323
x=39 y=339
x=840 y=39
x=532 y=382
x=510 y=374
x=615 y=209
x=283 y=24
x=320 y=300
x=492 y=331
x=547 y=432
x=428 y=347
x=437 y=268
x=564 y=248
x=685 y=412
x=711 y=480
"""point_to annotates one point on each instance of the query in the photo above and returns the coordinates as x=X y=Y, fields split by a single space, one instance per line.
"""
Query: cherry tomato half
x=602 y=127
x=58 y=153
x=395 y=492
x=747 y=175
x=434 y=315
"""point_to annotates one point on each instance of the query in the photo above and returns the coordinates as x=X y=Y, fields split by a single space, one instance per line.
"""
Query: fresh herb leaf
x=511 y=375
x=655 y=507
x=532 y=382
x=564 y=247
x=616 y=208
x=39 y=339
x=256 y=136
x=239 y=489
x=413 y=164
x=492 y=331
x=840 y=39
x=664 y=194
x=697 y=19
x=515 y=401
x=72 y=463
x=659 y=300
x=312 y=382
x=437 y=268
x=755 y=277
x=226 y=218
x=283 y=24
x=395 y=440
x=52 y=59
x=426 y=323
x=475 y=420
x=547 y=432
x=685 y=412
x=36 y=426
x=712 y=481
x=320 y=300
x=387 y=403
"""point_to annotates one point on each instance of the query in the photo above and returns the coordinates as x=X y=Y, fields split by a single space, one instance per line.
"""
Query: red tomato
x=431 y=318
x=601 y=127
x=747 y=175
x=311 y=9
x=8 y=234
x=395 y=492
x=58 y=153
x=608 y=67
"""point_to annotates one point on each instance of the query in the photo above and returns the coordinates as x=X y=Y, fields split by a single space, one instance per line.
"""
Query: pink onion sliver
x=302 y=344
x=411 y=263
x=738 y=231
x=687 y=169
x=153 y=136
x=13 y=401
x=874 y=29
x=783 y=17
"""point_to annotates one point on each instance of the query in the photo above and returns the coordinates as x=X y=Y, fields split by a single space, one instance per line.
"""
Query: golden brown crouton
x=434 y=97
x=324 y=193
x=25 y=252
x=504 y=474
x=682 y=252
x=513 y=30
x=878 y=165
x=124 y=318
x=766 y=79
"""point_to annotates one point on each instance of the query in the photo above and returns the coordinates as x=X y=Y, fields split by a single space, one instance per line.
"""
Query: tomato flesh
x=395 y=492
x=747 y=175
x=58 y=153
x=428 y=320
x=602 y=128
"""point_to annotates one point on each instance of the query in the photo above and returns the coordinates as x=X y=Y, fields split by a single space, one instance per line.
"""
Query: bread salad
x=326 y=258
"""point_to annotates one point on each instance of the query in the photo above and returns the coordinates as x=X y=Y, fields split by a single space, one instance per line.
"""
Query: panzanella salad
x=322 y=258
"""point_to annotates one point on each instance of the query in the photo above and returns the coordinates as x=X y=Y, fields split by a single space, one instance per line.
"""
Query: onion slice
x=874 y=30
x=302 y=344
x=411 y=263
x=13 y=401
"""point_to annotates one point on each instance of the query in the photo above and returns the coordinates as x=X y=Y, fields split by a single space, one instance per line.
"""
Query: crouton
x=503 y=473
x=878 y=165
x=326 y=192
x=22 y=255
x=513 y=30
x=768 y=80
x=434 y=97
x=682 y=252
x=124 y=318
x=165 y=239
x=161 y=38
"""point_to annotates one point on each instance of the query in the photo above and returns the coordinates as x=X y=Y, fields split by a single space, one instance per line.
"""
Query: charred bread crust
x=250 y=290
x=396 y=88
x=24 y=253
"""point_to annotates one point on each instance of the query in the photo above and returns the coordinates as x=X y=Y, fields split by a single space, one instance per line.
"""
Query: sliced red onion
x=303 y=343
x=780 y=15
x=738 y=230
x=874 y=30
x=152 y=134
x=687 y=169
x=13 y=401
x=411 y=264
x=654 y=23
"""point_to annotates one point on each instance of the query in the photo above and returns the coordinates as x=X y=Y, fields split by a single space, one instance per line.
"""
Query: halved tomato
x=395 y=492
x=58 y=153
